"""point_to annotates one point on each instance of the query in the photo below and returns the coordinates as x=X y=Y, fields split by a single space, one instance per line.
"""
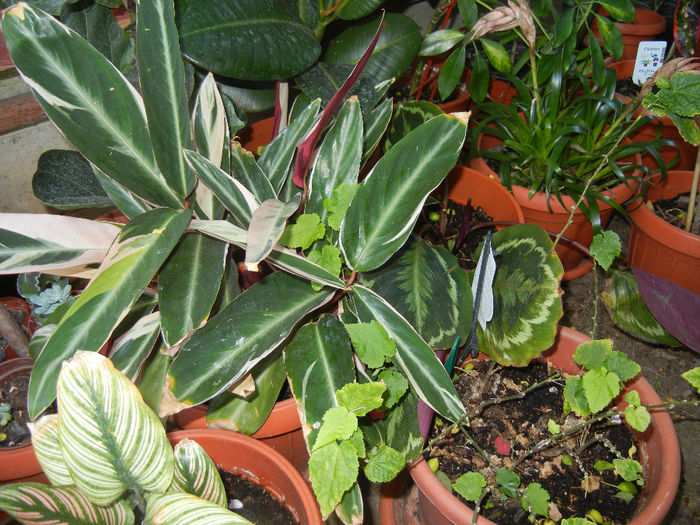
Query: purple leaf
x=674 y=307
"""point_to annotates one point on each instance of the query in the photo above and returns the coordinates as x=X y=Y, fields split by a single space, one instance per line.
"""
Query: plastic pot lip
x=665 y=233
x=653 y=506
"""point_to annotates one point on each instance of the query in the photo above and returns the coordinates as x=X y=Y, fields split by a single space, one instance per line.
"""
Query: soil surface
x=253 y=502
x=675 y=210
x=14 y=392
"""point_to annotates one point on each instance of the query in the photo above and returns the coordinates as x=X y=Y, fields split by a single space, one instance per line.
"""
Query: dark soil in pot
x=674 y=211
x=253 y=502
x=566 y=471
x=14 y=392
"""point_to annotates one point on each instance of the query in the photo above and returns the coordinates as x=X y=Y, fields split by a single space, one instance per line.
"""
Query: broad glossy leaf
x=128 y=204
x=133 y=260
x=241 y=335
x=440 y=41
x=429 y=289
x=152 y=379
x=247 y=414
x=319 y=362
x=338 y=159
x=398 y=44
x=188 y=285
x=38 y=504
x=131 y=349
x=111 y=440
x=195 y=473
x=354 y=9
x=178 y=508
x=266 y=228
x=233 y=195
x=104 y=118
x=527 y=298
x=407 y=117
x=47 y=449
x=451 y=73
x=267 y=38
x=386 y=206
x=162 y=78
x=414 y=359
x=376 y=124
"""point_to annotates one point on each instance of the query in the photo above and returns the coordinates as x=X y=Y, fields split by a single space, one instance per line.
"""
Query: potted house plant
x=121 y=475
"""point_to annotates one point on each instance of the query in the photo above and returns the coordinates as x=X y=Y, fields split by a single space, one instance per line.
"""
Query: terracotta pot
x=658 y=247
x=647 y=25
x=257 y=134
x=28 y=325
x=281 y=430
x=245 y=456
x=485 y=191
x=536 y=212
x=18 y=464
x=659 y=453
x=501 y=91
x=686 y=151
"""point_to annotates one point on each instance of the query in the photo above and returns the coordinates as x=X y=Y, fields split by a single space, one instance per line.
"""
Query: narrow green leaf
x=620 y=10
x=375 y=126
x=440 y=41
x=451 y=73
x=196 y=474
x=152 y=379
x=479 y=83
x=131 y=349
x=246 y=170
x=128 y=203
x=497 y=54
x=209 y=121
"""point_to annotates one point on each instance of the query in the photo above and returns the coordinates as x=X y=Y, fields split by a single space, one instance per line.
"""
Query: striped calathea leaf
x=527 y=297
x=196 y=473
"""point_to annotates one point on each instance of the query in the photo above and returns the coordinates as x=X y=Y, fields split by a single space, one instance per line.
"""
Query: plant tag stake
x=482 y=297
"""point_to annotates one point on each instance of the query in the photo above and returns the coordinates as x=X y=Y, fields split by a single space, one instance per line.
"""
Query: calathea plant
x=106 y=455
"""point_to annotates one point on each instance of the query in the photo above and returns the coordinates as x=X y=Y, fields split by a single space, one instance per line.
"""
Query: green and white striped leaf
x=209 y=121
x=387 y=204
x=103 y=118
x=414 y=359
x=235 y=197
x=188 y=285
x=281 y=257
x=41 y=242
x=196 y=474
x=246 y=170
x=178 y=508
x=131 y=349
x=131 y=263
x=162 y=78
x=128 y=204
x=376 y=124
x=111 y=440
x=241 y=335
x=319 y=362
x=527 y=298
x=266 y=228
x=429 y=289
x=338 y=159
x=47 y=449
x=247 y=414
x=277 y=156
x=39 y=504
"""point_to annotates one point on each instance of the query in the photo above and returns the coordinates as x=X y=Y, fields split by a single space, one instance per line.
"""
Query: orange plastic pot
x=647 y=25
x=242 y=455
x=660 y=248
x=257 y=134
x=658 y=446
x=28 y=325
x=281 y=430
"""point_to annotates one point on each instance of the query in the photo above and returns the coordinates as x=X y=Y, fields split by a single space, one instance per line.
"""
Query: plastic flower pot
x=257 y=134
x=659 y=453
x=658 y=247
x=242 y=455
x=647 y=25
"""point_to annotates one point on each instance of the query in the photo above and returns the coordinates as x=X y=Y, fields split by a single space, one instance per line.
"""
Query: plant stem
x=693 y=193
x=595 y=301
x=519 y=395
x=13 y=334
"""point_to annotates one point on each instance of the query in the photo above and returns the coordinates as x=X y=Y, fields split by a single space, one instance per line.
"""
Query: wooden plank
x=19 y=112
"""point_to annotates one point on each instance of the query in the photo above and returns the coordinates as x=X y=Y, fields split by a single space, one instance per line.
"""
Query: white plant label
x=650 y=57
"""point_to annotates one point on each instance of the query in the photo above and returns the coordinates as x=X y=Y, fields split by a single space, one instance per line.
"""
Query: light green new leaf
x=188 y=285
x=338 y=425
x=415 y=359
x=195 y=473
x=131 y=349
x=266 y=228
x=620 y=10
x=162 y=78
x=111 y=440
x=371 y=342
x=536 y=500
x=47 y=449
x=600 y=387
x=592 y=354
x=469 y=485
x=361 y=398
x=693 y=377
x=575 y=396
x=38 y=243
x=178 y=508
x=497 y=54
x=388 y=202
x=385 y=465
x=396 y=387
x=38 y=504
x=319 y=362
x=337 y=206
x=133 y=260
x=333 y=470
x=241 y=335
x=104 y=118
x=302 y=234
x=622 y=366
x=636 y=416
x=605 y=248
x=398 y=428
x=427 y=286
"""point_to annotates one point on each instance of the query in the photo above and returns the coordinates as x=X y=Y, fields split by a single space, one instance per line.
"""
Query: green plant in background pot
x=107 y=454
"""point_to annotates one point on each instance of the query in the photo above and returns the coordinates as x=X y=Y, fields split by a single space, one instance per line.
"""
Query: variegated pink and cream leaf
x=195 y=473
x=178 y=508
x=47 y=449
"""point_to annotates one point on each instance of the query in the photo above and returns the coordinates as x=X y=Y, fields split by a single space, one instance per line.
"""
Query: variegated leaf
x=428 y=287
x=47 y=449
x=387 y=204
x=131 y=349
x=133 y=260
x=235 y=197
x=111 y=440
x=162 y=78
x=104 y=118
x=414 y=358
x=376 y=124
x=42 y=242
x=196 y=474
x=38 y=504
x=246 y=170
x=128 y=203
x=178 y=508
x=241 y=335
x=152 y=379
x=266 y=228
x=351 y=507
x=209 y=121
x=527 y=298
